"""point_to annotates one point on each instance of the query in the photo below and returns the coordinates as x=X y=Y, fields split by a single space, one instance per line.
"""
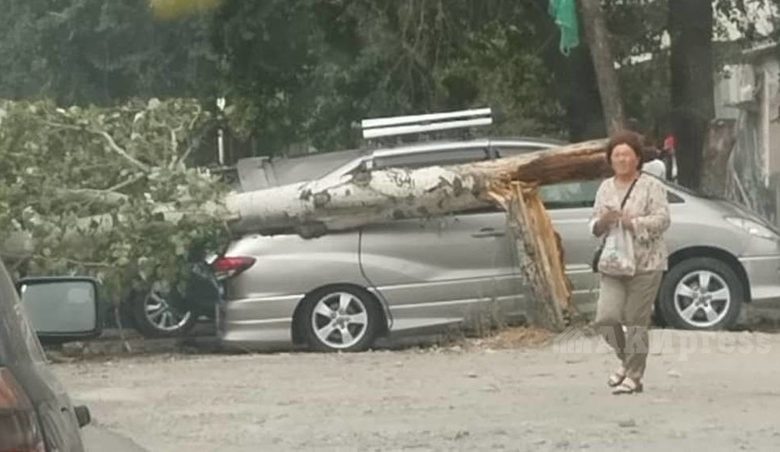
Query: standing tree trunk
x=584 y=113
x=692 y=95
x=720 y=142
x=597 y=37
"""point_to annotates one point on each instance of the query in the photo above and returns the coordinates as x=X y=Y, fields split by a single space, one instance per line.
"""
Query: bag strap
x=625 y=198
x=623 y=203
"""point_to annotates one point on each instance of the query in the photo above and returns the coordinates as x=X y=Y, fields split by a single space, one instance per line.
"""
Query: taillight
x=19 y=431
x=229 y=266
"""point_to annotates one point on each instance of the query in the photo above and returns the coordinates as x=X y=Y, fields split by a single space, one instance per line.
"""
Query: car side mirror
x=61 y=309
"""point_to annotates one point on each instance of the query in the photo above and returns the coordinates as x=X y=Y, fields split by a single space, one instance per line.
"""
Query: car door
x=438 y=270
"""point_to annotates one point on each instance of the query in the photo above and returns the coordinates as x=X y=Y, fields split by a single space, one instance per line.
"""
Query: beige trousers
x=628 y=301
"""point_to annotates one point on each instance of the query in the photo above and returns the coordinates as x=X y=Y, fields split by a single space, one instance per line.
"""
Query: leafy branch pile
x=106 y=191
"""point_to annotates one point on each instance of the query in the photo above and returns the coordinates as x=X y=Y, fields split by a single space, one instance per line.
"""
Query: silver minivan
x=342 y=291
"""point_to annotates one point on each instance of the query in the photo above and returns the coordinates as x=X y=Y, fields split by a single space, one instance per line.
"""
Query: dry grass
x=515 y=337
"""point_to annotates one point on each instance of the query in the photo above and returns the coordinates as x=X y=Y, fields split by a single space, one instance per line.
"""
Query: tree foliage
x=106 y=191
x=82 y=52
x=304 y=71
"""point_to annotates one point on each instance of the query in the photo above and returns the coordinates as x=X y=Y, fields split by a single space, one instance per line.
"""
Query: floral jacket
x=649 y=207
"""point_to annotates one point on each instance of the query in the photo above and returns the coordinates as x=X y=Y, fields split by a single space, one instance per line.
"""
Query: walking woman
x=635 y=203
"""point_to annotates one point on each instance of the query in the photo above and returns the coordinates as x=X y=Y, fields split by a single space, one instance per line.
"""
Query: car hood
x=734 y=209
x=729 y=208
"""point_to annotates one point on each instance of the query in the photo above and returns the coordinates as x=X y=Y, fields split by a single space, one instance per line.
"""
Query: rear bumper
x=763 y=274
x=256 y=323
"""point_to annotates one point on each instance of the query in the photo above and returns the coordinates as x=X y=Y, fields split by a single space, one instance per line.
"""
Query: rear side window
x=569 y=195
x=503 y=152
x=431 y=158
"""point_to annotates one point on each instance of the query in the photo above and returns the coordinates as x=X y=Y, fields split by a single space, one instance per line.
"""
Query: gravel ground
x=703 y=391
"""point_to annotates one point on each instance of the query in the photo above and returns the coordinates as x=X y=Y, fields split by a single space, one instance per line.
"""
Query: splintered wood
x=539 y=252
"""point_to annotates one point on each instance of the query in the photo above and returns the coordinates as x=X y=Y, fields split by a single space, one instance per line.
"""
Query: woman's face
x=624 y=160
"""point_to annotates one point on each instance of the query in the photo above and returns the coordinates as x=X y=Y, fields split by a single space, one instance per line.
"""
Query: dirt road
x=705 y=391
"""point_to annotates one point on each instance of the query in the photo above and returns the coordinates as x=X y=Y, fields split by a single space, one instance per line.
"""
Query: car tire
x=685 y=305
x=155 y=316
x=340 y=318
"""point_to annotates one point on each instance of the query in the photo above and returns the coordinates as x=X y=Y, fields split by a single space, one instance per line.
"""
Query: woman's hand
x=610 y=218
x=606 y=221
x=627 y=221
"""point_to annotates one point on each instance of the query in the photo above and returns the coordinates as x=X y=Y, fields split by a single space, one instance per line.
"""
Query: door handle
x=488 y=232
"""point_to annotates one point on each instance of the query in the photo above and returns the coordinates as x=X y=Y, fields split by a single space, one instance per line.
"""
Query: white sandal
x=628 y=386
x=616 y=378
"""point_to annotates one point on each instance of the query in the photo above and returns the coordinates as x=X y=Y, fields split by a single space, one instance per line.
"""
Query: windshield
x=284 y=171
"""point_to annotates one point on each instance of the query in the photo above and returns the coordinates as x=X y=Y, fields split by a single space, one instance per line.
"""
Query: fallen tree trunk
x=360 y=197
x=363 y=197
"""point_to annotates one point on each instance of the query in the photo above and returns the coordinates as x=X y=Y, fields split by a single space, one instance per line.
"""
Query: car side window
x=566 y=195
x=503 y=152
x=569 y=195
x=430 y=158
x=673 y=199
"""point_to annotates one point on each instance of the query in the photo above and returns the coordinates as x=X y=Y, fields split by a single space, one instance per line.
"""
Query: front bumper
x=763 y=273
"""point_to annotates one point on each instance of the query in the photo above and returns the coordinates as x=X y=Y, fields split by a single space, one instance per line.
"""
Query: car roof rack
x=405 y=125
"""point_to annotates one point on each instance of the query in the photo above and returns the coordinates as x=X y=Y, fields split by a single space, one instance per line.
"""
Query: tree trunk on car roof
x=363 y=197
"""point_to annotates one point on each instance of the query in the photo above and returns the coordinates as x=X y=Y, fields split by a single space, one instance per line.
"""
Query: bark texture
x=362 y=197
x=715 y=171
x=692 y=90
x=597 y=37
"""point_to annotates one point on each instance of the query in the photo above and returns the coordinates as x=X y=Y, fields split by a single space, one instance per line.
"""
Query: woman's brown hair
x=631 y=139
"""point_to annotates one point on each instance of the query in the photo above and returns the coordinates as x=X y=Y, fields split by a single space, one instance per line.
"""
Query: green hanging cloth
x=565 y=14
